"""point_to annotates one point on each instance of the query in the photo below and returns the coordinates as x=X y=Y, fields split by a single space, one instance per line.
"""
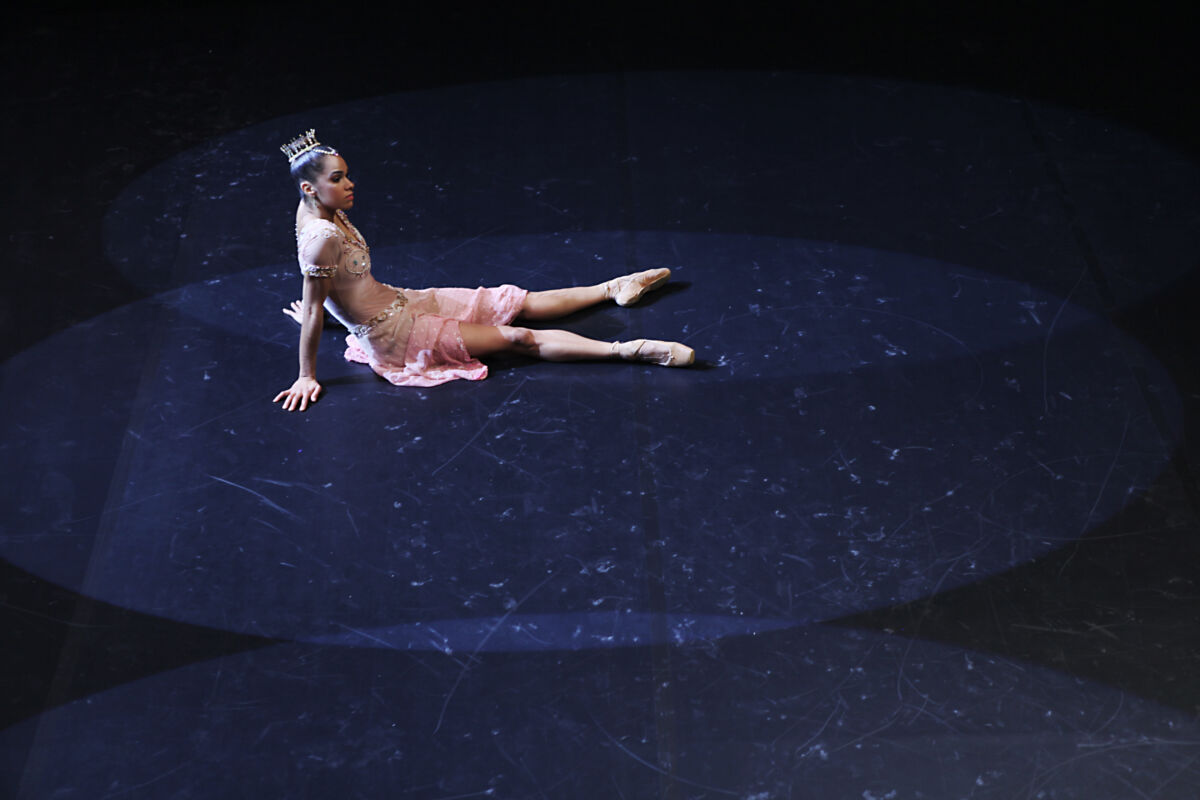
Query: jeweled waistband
x=365 y=328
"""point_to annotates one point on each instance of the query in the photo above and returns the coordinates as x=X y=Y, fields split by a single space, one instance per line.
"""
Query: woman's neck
x=307 y=211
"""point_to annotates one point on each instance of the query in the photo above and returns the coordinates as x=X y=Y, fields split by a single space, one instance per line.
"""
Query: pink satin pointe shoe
x=652 y=351
x=628 y=289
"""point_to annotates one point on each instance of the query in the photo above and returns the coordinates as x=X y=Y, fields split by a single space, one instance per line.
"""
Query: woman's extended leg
x=625 y=290
x=486 y=340
x=554 y=303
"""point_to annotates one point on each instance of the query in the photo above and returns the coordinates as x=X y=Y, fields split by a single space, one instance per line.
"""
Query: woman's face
x=333 y=187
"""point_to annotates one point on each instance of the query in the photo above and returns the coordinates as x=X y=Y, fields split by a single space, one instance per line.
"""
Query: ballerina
x=425 y=337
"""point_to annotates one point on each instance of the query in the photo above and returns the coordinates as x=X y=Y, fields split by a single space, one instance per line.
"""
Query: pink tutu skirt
x=419 y=344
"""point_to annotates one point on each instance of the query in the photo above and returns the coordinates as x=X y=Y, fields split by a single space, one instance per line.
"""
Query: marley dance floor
x=918 y=524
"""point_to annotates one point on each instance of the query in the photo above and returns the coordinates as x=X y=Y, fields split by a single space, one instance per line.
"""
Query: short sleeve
x=319 y=248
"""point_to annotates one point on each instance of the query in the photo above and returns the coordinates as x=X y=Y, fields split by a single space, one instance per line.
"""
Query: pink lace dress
x=409 y=336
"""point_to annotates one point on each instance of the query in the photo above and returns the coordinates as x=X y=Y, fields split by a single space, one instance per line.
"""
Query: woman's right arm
x=321 y=254
x=306 y=389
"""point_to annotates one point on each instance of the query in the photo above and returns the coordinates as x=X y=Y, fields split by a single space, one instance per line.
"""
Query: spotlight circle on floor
x=844 y=713
x=868 y=428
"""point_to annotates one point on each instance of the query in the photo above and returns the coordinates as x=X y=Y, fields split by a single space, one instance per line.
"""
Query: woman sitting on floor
x=423 y=337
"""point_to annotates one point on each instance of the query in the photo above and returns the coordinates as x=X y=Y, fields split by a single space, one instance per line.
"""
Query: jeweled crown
x=303 y=143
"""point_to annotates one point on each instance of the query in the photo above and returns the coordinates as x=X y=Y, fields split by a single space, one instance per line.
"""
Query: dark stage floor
x=920 y=523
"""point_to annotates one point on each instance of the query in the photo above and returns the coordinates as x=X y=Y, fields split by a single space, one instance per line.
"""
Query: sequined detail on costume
x=313 y=271
x=317 y=229
x=365 y=328
x=355 y=256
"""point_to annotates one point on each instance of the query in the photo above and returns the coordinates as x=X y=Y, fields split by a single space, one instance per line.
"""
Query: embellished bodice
x=355 y=297
x=354 y=259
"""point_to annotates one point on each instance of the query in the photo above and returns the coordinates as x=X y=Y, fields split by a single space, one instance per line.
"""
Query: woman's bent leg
x=485 y=340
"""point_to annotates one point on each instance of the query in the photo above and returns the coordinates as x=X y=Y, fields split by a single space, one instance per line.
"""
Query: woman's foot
x=628 y=289
x=652 y=351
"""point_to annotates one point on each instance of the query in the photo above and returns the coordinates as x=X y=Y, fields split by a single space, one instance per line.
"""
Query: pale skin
x=332 y=190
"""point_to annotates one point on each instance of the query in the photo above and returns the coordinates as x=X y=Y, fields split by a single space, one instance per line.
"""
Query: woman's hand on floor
x=303 y=392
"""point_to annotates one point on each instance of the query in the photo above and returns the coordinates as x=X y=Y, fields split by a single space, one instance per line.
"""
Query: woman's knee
x=522 y=340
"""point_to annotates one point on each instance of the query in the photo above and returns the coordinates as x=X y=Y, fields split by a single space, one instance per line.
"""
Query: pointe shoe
x=628 y=289
x=652 y=351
